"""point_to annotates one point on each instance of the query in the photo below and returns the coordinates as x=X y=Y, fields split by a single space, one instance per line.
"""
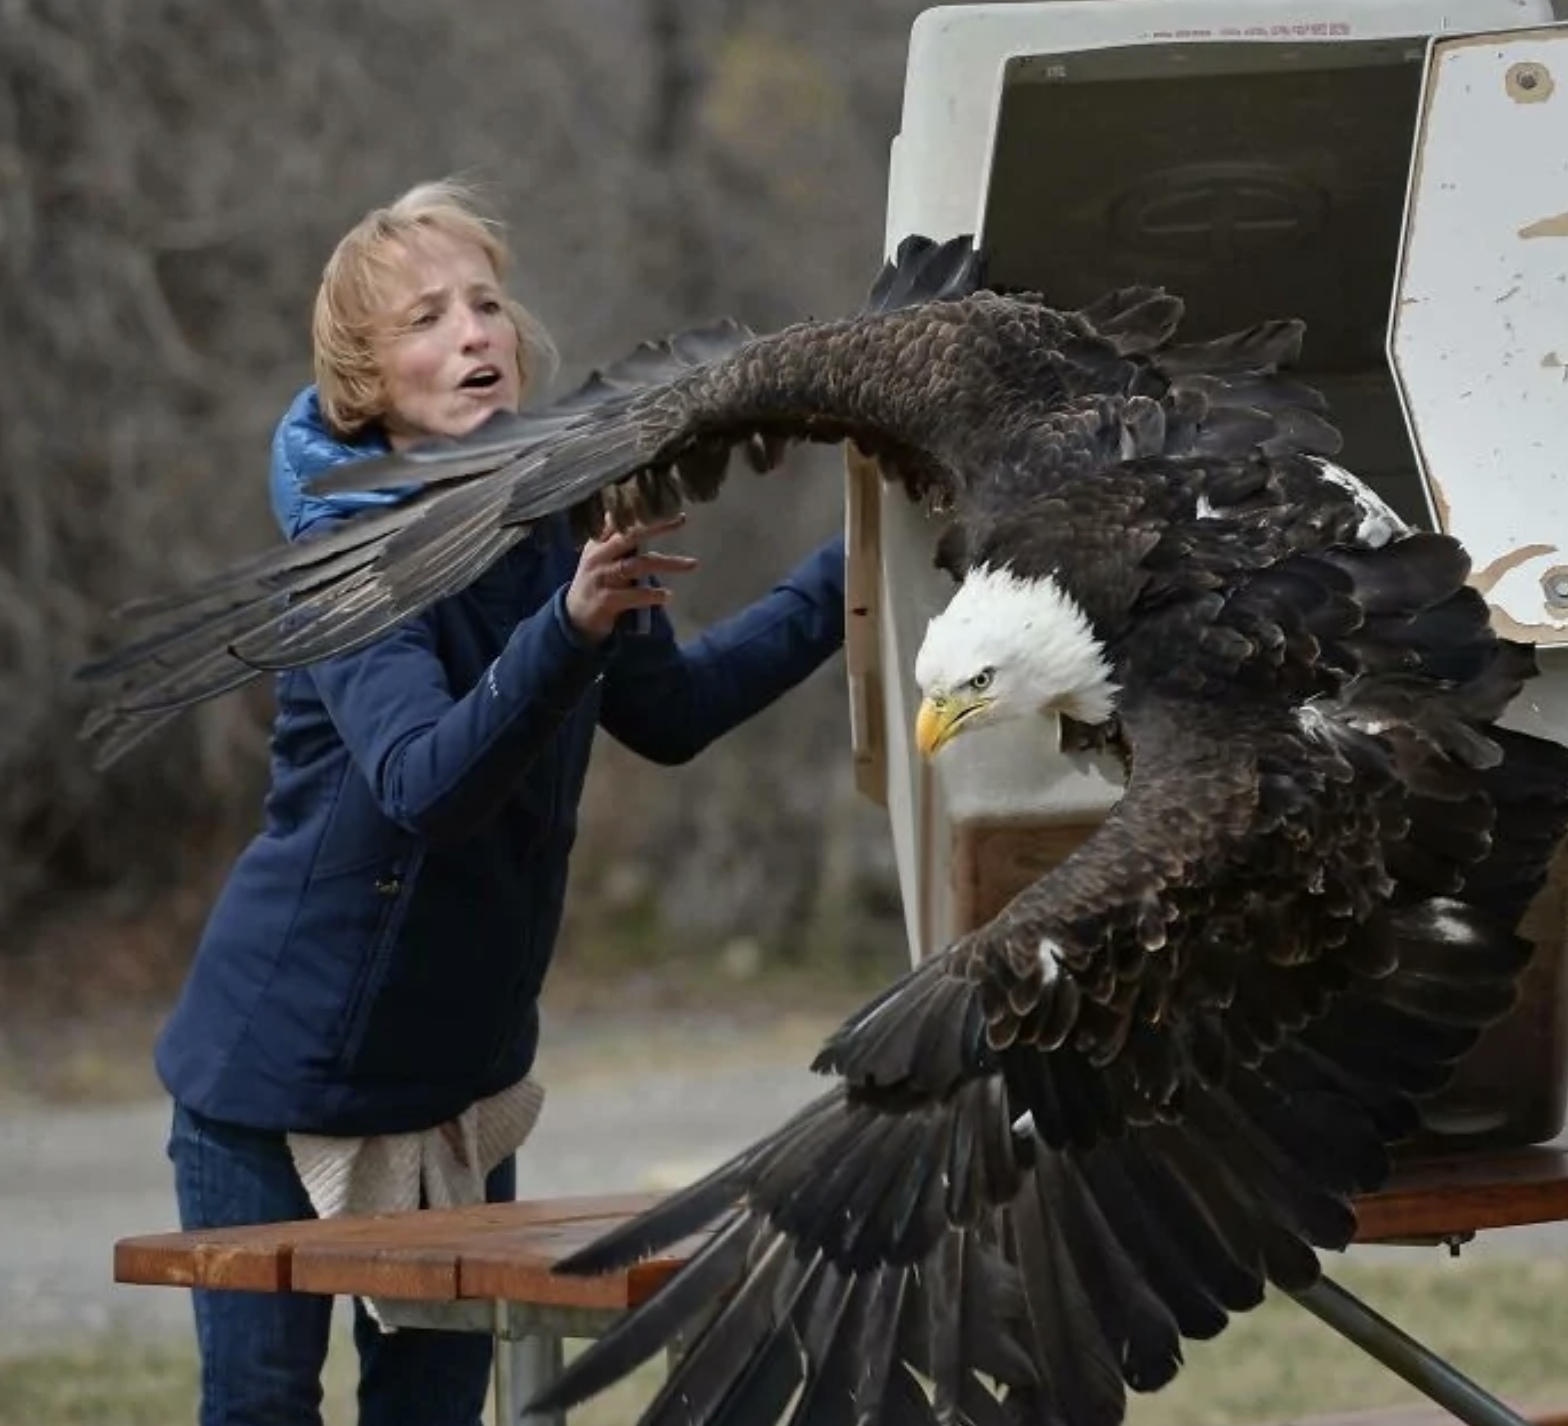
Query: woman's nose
x=475 y=334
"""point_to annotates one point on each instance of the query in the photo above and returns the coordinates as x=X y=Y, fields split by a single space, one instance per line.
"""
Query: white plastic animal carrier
x=1396 y=174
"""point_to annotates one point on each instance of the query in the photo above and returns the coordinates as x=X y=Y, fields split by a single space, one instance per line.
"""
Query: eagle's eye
x=982 y=680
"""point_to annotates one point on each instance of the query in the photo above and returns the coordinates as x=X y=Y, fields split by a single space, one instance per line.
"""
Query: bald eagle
x=1103 y=1122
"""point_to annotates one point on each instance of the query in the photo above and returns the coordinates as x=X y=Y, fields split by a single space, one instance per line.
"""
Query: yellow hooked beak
x=942 y=718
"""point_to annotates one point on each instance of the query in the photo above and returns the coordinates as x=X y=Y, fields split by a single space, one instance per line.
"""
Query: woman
x=361 y=1013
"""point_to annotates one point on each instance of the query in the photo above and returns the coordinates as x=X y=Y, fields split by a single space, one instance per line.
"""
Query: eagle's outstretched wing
x=343 y=587
x=967 y=397
x=1154 y=1083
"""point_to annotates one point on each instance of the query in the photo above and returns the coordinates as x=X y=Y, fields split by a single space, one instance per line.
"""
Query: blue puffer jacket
x=374 y=962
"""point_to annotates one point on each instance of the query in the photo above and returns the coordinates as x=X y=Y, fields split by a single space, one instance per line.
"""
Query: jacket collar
x=302 y=449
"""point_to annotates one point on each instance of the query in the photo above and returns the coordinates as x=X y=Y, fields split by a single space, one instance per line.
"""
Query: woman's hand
x=607 y=583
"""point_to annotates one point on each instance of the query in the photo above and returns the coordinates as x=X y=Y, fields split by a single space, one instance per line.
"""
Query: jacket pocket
x=393 y=886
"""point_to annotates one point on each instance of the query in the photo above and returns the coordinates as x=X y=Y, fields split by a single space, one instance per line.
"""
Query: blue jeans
x=262 y=1353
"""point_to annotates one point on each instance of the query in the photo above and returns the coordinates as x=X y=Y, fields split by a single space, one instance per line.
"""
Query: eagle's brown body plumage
x=1105 y=1120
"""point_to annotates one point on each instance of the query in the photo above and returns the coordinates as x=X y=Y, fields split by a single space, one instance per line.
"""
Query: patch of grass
x=586 y=1048
x=110 y=1380
x=1500 y=1320
x=96 y=1058
x=658 y=1018
x=120 y=1381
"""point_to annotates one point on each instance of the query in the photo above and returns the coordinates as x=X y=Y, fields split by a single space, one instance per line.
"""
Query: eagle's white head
x=1008 y=648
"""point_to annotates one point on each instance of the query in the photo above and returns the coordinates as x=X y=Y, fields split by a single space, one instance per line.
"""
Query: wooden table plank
x=431 y=1256
x=414 y=1255
x=1461 y=1194
x=254 y=1259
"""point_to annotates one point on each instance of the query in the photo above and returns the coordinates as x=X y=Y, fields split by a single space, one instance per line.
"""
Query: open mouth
x=483 y=379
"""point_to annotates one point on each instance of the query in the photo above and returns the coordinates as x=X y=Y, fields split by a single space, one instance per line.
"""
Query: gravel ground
x=622 y=1112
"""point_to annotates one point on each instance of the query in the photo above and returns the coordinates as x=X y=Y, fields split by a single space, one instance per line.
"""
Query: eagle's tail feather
x=1488 y=804
x=1394 y=1040
x=1528 y=789
x=1431 y=677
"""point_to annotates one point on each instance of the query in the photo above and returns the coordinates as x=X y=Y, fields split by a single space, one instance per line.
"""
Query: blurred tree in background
x=172 y=176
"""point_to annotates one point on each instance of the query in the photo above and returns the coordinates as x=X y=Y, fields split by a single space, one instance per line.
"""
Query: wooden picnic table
x=486 y=1252
x=489 y=1267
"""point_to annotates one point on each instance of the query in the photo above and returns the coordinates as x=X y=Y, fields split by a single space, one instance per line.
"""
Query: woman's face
x=447 y=349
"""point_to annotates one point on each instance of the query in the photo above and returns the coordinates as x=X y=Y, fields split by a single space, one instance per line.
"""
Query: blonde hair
x=351 y=299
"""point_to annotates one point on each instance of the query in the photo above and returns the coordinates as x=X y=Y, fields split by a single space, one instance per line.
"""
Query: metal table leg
x=1402 y=1354
x=525 y=1363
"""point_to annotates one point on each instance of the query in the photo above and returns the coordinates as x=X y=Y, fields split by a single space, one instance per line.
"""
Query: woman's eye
x=490 y=307
x=422 y=319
